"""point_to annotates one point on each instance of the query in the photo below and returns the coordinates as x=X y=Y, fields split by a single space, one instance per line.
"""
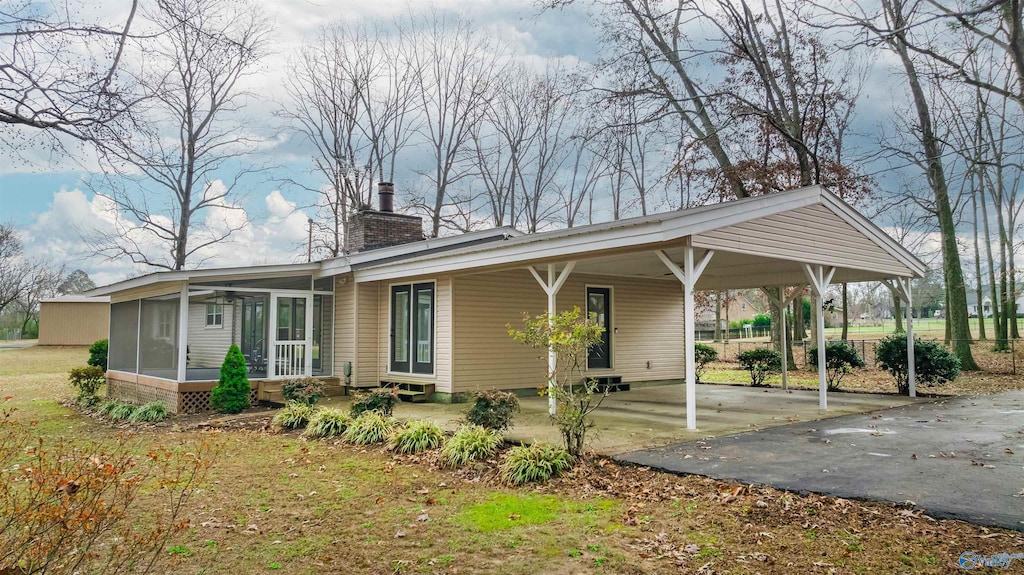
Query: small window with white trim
x=214 y=315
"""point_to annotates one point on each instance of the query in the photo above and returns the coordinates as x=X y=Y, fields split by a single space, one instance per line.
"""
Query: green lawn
x=276 y=503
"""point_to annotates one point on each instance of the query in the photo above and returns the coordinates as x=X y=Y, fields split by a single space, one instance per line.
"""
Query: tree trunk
x=956 y=313
x=977 y=266
x=846 y=315
x=1000 y=344
x=897 y=312
x=718 y=316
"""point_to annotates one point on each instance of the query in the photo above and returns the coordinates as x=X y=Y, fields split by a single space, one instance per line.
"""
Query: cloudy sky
x=46 y=194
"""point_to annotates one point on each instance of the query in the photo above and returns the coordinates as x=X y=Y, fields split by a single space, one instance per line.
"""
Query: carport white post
x=782 y=302
x=551 y=288
x=900 y=288
x=688 y=276
x=820 y=277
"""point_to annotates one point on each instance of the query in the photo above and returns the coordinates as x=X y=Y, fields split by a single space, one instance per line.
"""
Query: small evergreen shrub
x=760 y=363
x=98 y=354
x=370 y=427
x=840 y=359
x=294 y=415
x=470 y=443
x=382 y=400
x=493 y=409
x=231 y=395
x=122 y=411
x=307 y=390
x=151 y=412
x=327 y=422
x=536 y=462
x=417 y=436
x=933 y=364
x=703 y=355
x=87 y=381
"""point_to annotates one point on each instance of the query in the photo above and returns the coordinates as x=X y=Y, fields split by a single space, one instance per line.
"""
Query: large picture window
x=412 y=328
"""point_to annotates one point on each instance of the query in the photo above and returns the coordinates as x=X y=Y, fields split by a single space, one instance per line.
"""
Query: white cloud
x=59 y=234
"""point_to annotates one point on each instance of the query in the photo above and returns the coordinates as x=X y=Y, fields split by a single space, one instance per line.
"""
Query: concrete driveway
x=959 y=458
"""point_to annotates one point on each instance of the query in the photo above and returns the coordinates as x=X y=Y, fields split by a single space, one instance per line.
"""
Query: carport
x=782 y=243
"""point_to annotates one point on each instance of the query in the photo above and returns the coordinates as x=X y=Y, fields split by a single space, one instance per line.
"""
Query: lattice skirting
x=176 y=401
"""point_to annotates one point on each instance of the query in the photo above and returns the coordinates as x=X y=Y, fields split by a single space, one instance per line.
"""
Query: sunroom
x=169 y=335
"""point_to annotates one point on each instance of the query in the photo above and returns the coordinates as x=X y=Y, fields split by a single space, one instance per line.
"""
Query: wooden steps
x=272 y=391
x=412 y=392
x=611 y=384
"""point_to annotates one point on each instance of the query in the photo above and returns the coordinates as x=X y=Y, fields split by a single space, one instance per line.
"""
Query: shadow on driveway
x=960 y=458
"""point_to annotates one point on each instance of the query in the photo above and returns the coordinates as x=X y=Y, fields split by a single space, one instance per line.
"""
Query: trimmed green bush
x=327 y=422
x=87 y=381
x=493 y=409
x=294 y=415
x=382 y=400
x=307 y=390
x=231 y=395
x=760 y=363
x=152 y=412
x=470 y=443
x=933 y=363
x=840 y=359
x=98 y=354
x=537 y=462
x=703 y=355
x=121 y=411
x=417 y=436
x=370 y=427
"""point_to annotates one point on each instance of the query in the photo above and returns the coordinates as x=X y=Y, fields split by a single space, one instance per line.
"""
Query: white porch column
x=820 y=277
x=688 y=276
x=900 y=288
x=551 y=287
x=782 y=302
x=183 y=332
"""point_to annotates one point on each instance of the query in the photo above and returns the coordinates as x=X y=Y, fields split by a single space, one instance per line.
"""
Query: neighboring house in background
x=73 y=320
x=986 y=303
x=432 y=315
x=741 y=305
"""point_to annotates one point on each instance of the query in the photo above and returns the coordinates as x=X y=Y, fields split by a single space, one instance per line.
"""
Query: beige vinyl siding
x=442 y=375
x=647 y=315
x=73 y=323
x=367 y=346
x=811 y=235
x=344 y=316
x=207 y=346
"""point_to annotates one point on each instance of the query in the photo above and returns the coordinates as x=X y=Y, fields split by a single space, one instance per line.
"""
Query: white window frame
x=218 y=313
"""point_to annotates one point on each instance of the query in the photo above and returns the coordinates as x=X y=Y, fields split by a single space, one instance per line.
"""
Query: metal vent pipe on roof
x=386 y=191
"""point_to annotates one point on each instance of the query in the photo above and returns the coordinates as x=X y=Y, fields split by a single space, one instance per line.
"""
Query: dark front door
x=599 y=304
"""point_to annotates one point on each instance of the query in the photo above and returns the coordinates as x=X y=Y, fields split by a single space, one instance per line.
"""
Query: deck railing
x=290 y=359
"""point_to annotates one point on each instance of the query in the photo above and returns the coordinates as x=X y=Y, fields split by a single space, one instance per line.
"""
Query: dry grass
x=278 y=503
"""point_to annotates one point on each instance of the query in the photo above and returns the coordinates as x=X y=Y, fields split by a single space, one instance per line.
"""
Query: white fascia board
x=873 y=232
x=76 y=299
x=252 y=272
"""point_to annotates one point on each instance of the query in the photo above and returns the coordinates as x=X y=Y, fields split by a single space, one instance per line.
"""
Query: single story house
x=986 y=303
x=431 y=315
x=73 y=320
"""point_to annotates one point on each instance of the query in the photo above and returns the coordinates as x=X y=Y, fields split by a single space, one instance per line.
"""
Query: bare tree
x=457 y=65
x=351 y=99
x=58 y=72
x=14 y=268
x=161 y=175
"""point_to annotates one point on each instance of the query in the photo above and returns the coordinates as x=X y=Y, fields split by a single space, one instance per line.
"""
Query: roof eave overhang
x=213 y=274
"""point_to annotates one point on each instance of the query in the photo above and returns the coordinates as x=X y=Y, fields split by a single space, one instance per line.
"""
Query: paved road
x=8 y=345
x=893 y=455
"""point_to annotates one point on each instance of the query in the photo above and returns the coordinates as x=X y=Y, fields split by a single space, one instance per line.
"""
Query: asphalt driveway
x=959 y=458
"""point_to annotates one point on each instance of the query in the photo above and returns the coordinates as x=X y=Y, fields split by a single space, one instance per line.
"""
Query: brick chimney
x=371 y=229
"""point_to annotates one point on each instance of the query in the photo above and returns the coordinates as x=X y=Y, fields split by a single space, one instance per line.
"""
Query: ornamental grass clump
x=470 y=443
x=294 y=415
x=417 y=436
x=152 y=412
x=369 y=428
x=536 y=462
x=327 y=422
x=121 y=411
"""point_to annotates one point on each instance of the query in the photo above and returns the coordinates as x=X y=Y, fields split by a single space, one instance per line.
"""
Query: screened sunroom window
x=412 y=328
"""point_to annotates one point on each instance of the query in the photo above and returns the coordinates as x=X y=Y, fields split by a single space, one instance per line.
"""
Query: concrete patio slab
x=959 y=458
x=655 y=416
